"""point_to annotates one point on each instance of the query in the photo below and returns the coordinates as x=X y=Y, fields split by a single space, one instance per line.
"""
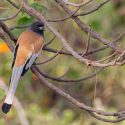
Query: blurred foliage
x=4 y=48
x=42 y=105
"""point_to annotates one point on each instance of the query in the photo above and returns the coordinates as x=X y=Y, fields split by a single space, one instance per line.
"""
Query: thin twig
x=93 y=10
x=95 y=86
x=87 y=45
x=70 y=80
x=13 y=16
x=19 y=27
x=118 y=37
x=80 y=53
x=77 y=5
x=64 y=18
x=48 y=43
x=48 y=60
x=110 y=56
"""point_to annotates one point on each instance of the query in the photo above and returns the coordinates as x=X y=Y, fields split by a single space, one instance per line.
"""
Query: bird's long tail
x=16 y=74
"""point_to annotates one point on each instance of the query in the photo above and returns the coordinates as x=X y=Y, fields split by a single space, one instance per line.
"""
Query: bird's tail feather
x=16 y=74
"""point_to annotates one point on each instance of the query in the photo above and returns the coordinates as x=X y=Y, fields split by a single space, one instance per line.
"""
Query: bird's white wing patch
x=32 y=60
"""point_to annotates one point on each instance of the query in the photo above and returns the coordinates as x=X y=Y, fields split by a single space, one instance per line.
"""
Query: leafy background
x=44 y=106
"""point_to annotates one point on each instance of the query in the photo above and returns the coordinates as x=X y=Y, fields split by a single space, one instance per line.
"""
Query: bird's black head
x=37 y=27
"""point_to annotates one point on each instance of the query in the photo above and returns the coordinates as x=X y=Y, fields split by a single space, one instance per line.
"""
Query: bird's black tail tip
x=6 y=107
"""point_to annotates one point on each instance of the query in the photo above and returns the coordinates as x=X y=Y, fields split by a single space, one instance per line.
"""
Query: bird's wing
x=37 y=49
x=29 y=63
x=14 y=54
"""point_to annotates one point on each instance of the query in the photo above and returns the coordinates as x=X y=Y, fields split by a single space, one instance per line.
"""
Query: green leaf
x=25 y=20
x=96 y=25
x=38 y=7
x=74 y=74
x=17 y=32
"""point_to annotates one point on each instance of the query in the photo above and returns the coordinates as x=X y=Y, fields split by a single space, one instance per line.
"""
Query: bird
x=28 y=47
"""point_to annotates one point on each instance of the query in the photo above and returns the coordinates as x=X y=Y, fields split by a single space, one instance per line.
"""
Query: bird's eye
x=41 y=28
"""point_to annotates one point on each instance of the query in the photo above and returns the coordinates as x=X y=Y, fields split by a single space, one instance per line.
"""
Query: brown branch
x=106 y=120
x=6 y=29
x=13 y=4
x=71 y=80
